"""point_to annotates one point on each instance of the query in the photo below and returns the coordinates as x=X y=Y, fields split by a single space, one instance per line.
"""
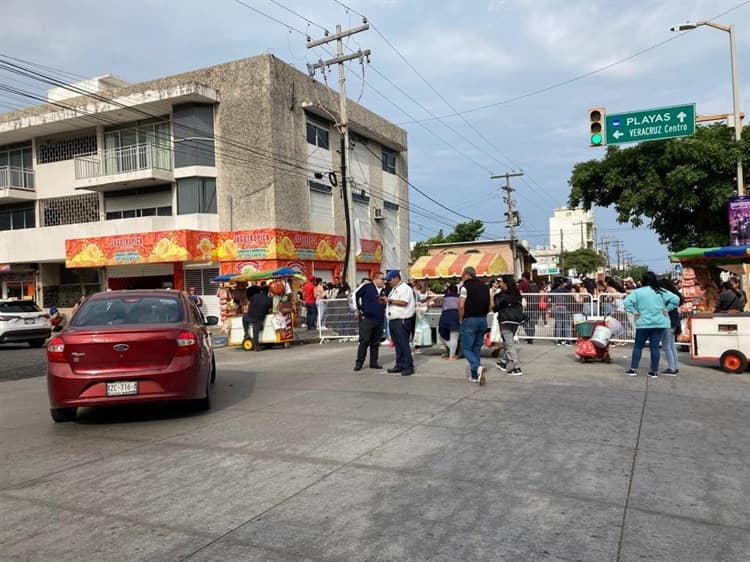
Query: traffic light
x=596 y=126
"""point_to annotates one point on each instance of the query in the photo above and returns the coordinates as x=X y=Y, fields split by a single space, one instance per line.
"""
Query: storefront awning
x=717 y=254
x=452 y=265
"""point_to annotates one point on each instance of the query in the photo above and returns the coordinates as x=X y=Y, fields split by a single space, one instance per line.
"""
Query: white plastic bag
x=495 y=335
x=615 y=325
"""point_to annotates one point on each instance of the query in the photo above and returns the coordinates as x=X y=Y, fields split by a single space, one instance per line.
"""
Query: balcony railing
x=16 y=178
x=133 y=158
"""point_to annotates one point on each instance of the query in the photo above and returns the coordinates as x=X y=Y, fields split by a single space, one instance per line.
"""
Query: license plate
x=123 y=388
x=28 y=320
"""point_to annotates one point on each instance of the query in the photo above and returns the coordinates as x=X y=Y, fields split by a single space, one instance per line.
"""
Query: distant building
x=572 y=229
x=569 y=230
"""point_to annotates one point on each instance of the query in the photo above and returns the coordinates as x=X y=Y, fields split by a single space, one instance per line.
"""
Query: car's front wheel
x=63 y=414
x=36 y=343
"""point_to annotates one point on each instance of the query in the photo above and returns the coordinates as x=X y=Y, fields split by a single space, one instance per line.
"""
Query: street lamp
x=687 y=26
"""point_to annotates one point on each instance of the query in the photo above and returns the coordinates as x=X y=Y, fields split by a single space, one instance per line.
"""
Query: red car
x=126 y=347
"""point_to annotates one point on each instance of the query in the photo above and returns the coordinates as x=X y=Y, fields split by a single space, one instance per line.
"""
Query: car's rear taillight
x=187 y=343
x=56 y=351
x=5 y=318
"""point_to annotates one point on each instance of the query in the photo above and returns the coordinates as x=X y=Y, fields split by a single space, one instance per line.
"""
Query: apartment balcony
x=16 y=185
x=137 y=165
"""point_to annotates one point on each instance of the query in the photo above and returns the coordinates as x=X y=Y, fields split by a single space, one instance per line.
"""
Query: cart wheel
x=733 y=361
x=247 y=344
x=607 y=358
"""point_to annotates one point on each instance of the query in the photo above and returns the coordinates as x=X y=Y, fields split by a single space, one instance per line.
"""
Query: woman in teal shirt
x=650 y=306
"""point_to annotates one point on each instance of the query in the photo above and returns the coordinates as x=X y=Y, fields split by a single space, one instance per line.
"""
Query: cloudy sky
x=522 y=74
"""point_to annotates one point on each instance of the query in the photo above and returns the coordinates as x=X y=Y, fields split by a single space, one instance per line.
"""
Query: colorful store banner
x=144 y=247
x=245 y=249
x=283 y=244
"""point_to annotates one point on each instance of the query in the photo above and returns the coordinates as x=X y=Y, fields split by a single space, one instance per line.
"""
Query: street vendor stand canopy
x=720 y=256
x=487 y=264
x=270 y=274
x=726 y=254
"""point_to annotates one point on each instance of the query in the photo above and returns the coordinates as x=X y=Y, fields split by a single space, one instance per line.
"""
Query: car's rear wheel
x=213 y=368
x=36 y=343
x=63 y=414
x=203 y=404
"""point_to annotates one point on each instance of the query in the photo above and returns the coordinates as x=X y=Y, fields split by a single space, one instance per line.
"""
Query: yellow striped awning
x=452 y=265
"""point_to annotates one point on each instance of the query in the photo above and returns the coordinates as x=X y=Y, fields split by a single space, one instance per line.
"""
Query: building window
x=196 y=195
x=65 y=147
x=389 y=161
x=321 y=208
x=139 y=202
x=17 y=217
x=134 y=213
x=16 y=167
x=317 y=135
x=193 y=127
x=74 y=209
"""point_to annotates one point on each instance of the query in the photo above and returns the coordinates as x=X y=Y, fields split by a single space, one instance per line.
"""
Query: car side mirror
x=212 y=320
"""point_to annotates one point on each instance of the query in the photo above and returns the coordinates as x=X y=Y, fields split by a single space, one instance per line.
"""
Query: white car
x=23 y=321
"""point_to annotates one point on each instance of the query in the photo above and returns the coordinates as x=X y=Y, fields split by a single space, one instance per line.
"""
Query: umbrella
x=223 y=278
x=270 y=274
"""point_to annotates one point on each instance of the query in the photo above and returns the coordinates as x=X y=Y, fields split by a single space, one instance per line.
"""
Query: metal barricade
x=550 y=315
x=336 y=321
x=611 y=304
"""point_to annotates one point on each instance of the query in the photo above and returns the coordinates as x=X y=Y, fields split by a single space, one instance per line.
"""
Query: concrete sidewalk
x=304 y=459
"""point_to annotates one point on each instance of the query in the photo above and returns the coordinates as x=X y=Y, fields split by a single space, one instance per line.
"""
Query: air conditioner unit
x=377 y=213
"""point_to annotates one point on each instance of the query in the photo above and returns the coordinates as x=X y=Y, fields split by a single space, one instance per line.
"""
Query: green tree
x=584 y=260
x=636 y=272
x=463 y=232
x=679 y=186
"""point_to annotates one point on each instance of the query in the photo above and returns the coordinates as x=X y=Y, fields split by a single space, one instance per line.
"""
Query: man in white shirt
x=401 y=307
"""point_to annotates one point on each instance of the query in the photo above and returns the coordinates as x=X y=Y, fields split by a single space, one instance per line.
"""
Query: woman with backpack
x=510 y=315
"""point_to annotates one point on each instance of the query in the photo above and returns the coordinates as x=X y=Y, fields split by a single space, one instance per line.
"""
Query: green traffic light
x=596 y=139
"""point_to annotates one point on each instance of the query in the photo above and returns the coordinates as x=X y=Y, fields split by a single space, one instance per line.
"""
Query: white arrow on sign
x=681 y=116
x=618 y=134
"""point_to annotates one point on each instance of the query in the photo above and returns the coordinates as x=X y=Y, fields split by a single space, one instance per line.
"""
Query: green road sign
x=651 y=124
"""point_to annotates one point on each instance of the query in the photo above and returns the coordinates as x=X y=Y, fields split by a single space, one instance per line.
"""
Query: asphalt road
x=302 y=459
x=19 y=361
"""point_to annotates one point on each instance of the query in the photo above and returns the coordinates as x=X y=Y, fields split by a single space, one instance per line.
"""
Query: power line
x=568 y=81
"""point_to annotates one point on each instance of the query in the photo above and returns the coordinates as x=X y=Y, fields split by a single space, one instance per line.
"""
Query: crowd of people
x=650 y=306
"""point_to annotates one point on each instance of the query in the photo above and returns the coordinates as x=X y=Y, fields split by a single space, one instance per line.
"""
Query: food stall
x=278 y=327
x=722 y=337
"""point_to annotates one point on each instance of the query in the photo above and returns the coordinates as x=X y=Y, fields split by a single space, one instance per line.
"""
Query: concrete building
x=572 y=229
x=173 y=181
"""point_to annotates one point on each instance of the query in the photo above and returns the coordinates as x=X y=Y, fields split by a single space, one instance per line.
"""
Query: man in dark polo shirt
x=473 y=307
x=370 y=299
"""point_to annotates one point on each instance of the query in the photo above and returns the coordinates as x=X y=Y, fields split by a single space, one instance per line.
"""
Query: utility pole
x=618 y=244
x=562 y=250
x=605 y=243
x=513 y=216
x=350 y=266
